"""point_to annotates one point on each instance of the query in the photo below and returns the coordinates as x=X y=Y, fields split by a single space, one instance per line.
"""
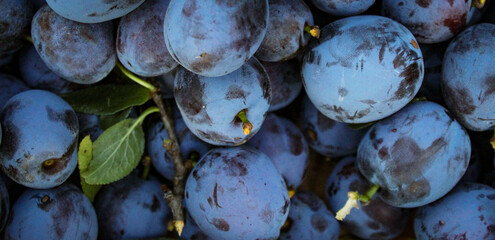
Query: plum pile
x=247 y=119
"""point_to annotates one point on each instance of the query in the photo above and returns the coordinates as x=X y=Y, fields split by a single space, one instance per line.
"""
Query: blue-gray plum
x=89 y=124
x=429 y=21
x=191 y=231
x=15 y=18
x=283 y=142
x=4 y=203
x=166 y=82
x=210 y=106
x=191 y=148
x=78 y=52
x=10 y=86
x=285 y=36
x=433 y=58
x=468 y=77
x=378 y=73
x=310 y=219
x=285 y=82
x=415 y=156
x=132 y=208
x=140 y=43
x=58 y=213
x=467 y=212
x=326 y=136
x=214 y=38
x=37 y=75
x=343 y=7
x=237 y=193
x=39 y=144
x=93 y=11
x=374 y=220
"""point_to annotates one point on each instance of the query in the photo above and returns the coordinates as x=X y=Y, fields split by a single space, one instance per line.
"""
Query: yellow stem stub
x=48 y=163
x=179 y=225
x=492 y=142
x=292 y=192
x=478 y=3
x=314 y=31
x=352 y=202
x=246 y=125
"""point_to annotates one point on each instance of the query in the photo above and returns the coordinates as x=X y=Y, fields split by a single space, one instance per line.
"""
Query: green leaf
x=117 y=151
x=84 y=156
x=107 y=99
x=107 y=121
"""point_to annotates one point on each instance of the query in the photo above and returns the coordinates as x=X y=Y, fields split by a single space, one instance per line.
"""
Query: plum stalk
x=172 y=197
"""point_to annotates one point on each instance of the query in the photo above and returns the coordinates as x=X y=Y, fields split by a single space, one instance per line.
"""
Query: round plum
x=62 y=212
x=210 y=107
x=132 y=208
x=93 y=11
x=468 y=77
x=15 y=18
x=467 y=212
x=430 y=21
x=415 y=156
x=343 y=7
x=39 y=147
x=374 y=220
x=237 y=193
x=213 y=38
x=286 y=35
x=283 y=142
x=140 y=44
x=379 y=72
x=78 y=52
x=310 y=219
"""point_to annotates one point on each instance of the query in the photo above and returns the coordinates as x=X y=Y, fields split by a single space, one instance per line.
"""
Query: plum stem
x=172 y=197
x=365 y=198
x=352 y=202
x=246 y=125
x=135 y=78
x=478 y=3
x=147 y=165
x=314 y=31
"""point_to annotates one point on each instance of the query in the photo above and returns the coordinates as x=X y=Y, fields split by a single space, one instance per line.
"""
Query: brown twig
x=173 y=197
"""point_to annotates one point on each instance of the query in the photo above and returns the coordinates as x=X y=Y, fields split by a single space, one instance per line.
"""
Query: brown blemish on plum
x=266 y=215
x=455 y=22
x=423 y=3
x=235 y=92
x=68 y=118
x=221 y=224
x=407 y=86
x=311 y=200
x=189 y=8
x=215 y=198
x=60 y=163
x=319 y=223
x=155 y=205
x=463 y=103
x=295 y=142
